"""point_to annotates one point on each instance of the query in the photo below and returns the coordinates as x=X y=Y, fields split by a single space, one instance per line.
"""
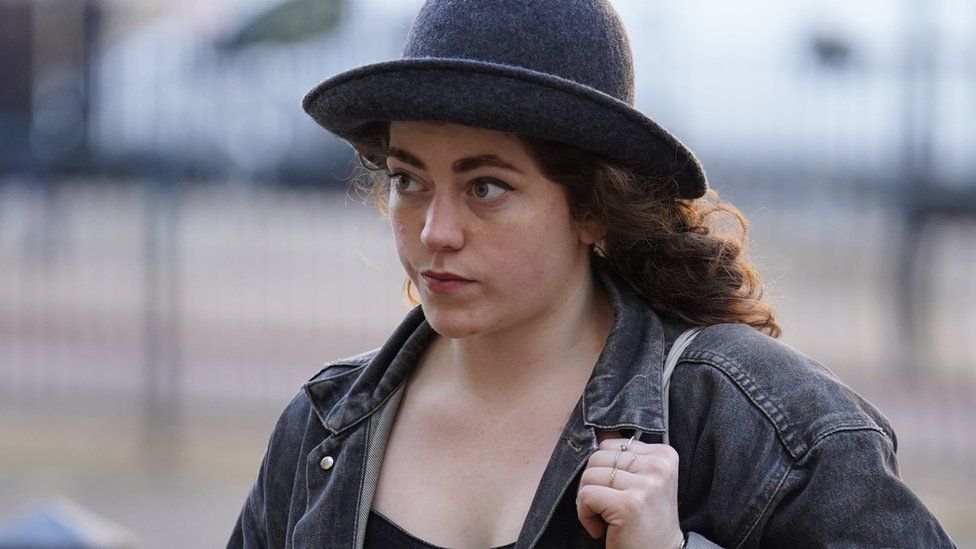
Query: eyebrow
x=461 y=165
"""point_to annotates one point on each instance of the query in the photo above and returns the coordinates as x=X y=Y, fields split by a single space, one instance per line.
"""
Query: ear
x=591 y=230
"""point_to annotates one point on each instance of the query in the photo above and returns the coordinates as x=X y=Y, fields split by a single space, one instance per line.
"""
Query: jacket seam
x=776 y=416
x=355 y=361
x=775 y=495
x=366 y=415
x=559 y=498
x=851 y=427
x=333 y=365
x=751 y=391
x=779 y=485
x=769 y=501
x=308 y=396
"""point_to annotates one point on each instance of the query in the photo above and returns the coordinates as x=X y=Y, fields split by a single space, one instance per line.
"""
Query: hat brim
x=502 y=98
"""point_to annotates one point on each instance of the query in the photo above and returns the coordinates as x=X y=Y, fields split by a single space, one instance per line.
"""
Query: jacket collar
x=624 y=390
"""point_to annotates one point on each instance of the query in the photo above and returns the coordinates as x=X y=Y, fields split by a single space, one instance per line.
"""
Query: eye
x=488 y=189
x=403 y=182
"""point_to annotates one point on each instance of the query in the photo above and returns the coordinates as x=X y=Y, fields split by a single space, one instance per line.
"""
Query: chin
x=456 y=323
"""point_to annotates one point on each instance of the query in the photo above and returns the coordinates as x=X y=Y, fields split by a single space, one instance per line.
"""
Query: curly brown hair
x=671 y=251
x=668 y=249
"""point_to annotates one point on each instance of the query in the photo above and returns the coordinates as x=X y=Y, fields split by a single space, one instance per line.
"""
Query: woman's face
x=487 y=240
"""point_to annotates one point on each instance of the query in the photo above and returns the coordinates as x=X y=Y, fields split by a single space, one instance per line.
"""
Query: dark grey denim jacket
x=774 y=450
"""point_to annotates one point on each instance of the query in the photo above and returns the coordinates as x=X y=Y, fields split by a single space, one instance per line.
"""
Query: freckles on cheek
x=400 y=234
x=399 y=230
x=522 y=257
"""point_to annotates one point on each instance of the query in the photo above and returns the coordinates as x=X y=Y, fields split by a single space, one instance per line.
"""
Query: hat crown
x=579 y=40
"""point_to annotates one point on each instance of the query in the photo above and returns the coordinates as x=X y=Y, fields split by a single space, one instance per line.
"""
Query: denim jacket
x=775 y=451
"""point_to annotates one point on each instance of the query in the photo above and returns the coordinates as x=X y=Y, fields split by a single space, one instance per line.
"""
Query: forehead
x=433 y=140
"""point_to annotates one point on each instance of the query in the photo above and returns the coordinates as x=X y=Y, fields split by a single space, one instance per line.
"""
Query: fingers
x=599 y=506
x=600 y=476
x=636 y=445
x=625 y=460
x=646 y=458
x=627 y=488
x=591 y=503
x=591 y=520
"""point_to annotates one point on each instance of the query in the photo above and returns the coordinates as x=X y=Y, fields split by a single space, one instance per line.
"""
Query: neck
x=554 y=350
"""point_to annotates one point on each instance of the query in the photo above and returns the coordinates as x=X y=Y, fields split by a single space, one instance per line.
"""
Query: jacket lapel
x=340 y=494
x=623 y=394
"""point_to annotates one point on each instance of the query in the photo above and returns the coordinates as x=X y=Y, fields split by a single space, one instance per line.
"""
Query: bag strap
x=678 y=347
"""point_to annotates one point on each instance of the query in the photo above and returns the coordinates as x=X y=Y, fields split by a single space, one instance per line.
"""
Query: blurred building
x=214 y=88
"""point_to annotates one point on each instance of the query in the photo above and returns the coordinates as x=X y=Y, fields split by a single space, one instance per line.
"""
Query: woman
x=556 y=239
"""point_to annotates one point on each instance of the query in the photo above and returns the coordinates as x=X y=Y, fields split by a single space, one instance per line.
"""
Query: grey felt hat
x=555 y=69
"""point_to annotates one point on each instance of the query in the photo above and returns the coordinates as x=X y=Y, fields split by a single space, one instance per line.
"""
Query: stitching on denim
x=784 y=430
x=839 y=429
x=366 y=415
x=362 y=482
x=341 y=369
x=847 y=427
x=349 y=366
x=765 y=508
x=621 y=427
x=562 y=493
x=753 y=392
x=852 y=428
x=356 y=360
x=308 y=395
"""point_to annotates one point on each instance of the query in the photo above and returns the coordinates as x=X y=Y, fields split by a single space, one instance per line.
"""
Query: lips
x=444 y=282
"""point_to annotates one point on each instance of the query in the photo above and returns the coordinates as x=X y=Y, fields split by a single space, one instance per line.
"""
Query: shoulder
x=801 y=400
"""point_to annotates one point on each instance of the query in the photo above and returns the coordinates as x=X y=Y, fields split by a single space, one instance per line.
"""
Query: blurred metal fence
x=209 y=291
x=118 y=293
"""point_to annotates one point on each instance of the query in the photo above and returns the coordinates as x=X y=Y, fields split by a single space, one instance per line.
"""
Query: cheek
x=402 y=234
x=552 y=245
x=533 y=253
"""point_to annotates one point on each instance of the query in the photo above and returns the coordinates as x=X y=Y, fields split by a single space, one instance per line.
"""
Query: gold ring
x=633 y=458
x=616 y=460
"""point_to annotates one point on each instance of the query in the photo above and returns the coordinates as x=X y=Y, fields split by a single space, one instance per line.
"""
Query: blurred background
x=179 y=251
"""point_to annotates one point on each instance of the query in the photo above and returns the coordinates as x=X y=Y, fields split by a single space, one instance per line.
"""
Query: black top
x=383 y=533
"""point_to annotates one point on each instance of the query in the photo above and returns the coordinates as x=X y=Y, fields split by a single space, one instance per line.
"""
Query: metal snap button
x=326 y=462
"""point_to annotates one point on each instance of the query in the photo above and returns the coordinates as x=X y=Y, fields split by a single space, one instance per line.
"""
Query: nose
x=443 y=225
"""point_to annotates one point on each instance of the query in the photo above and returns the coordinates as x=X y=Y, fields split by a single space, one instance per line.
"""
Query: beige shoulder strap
x=670 y=363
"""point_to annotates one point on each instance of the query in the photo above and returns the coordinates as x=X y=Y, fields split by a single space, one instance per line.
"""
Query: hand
x=639 y=508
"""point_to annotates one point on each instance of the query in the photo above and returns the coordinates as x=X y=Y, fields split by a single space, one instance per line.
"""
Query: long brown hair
x=675 y=253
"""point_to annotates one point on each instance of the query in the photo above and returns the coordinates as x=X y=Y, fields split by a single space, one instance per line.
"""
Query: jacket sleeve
x=264 y=515
x=251 y=530
x=845 y=492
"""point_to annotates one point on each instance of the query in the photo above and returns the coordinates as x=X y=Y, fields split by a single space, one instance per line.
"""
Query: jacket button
x=326 y=462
